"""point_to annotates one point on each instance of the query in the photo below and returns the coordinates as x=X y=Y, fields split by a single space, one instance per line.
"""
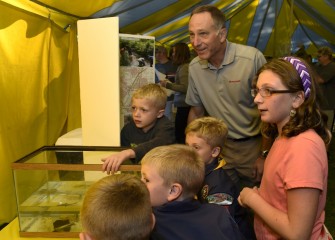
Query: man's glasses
x=267 y=92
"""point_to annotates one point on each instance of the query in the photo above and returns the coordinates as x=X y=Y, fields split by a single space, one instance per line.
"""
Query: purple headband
x=303 y=73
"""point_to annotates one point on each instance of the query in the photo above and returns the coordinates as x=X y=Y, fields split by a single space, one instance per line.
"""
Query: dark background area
x=330 y=205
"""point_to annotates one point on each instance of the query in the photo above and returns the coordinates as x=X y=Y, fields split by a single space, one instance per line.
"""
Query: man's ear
x=223 y=34
x=160 y=113
x=175 y=192
x=85 y=236
x=216 y=152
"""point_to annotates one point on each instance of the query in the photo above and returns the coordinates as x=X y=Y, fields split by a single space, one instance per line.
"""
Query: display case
x=50 y=184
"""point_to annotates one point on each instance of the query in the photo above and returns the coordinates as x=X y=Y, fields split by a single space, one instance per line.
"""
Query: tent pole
x=275 y=31
x=262 y=24
x=291 y=24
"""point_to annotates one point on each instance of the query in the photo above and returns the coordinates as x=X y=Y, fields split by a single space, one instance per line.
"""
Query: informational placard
x=136 y=68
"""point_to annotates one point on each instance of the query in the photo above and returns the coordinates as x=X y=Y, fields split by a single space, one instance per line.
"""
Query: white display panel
x=98 y=46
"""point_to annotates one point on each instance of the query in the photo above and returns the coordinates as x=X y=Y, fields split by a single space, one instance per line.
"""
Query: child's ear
x=175 y=192
x=298 y=99
x=216 y=152
x=85 y=236
x=160 y=113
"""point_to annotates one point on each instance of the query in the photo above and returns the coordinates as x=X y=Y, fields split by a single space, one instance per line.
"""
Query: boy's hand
x=112 y=163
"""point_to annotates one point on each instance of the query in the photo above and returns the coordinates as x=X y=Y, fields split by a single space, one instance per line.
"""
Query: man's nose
x=196 y=41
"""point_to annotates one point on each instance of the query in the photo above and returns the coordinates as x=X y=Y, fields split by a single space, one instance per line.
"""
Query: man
x=326 y=72
x=220 y=80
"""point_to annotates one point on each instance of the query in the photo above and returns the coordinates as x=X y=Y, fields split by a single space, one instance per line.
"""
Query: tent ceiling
x=76 y=8
x=259 y=23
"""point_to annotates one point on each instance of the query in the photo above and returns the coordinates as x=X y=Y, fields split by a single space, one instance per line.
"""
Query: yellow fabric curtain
x=39 y=89
x=280 y=41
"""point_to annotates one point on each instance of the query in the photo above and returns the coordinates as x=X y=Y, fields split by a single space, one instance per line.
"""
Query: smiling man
x=220 y=80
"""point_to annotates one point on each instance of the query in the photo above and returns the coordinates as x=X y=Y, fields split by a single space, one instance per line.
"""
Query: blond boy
x=149 y=127
x=207 y=135
x=117 y=207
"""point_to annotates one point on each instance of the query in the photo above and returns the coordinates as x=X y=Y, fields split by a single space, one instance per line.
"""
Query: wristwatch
x=264 y=154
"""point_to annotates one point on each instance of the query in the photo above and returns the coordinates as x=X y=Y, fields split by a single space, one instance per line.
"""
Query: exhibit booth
x=46 y=94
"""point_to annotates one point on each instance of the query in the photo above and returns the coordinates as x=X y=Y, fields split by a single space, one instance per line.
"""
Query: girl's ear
x=299 y=98
x=160 y=113
x=216 y=152
x=175 y=192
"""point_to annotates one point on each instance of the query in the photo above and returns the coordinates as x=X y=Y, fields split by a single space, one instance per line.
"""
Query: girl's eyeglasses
x=267 y=92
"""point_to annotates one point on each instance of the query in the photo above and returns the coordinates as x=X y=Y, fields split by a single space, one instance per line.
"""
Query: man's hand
x=112 y=163
x=164 y=82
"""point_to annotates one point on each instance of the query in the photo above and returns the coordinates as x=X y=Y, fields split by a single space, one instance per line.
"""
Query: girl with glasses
x=291 y=199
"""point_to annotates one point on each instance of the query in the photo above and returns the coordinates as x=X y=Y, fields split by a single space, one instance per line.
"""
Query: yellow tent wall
x=39 y=87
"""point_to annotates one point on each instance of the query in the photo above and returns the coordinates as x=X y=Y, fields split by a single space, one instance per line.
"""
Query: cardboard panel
x=98 y=43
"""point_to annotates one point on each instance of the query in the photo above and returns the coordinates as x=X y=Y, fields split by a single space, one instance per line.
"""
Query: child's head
x=148 y=103
x=172 y=173
x=207 y=136
x=152 y=92
x=117 y=207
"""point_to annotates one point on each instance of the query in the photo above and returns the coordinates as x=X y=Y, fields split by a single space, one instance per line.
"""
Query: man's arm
x=195 y=112
x=327 y=76
x=259 y=163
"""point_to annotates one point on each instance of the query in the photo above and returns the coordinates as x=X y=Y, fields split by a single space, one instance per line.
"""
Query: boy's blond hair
x=213 y=130
x=117 y=207
x=178 y=164
x=153 y=92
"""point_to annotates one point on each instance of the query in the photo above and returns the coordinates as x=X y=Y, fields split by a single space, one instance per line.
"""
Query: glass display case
x=50 y=184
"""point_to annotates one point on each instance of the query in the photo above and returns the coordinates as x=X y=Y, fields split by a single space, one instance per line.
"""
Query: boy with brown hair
x=117 y=207
x=149 y=127
x=174 y=175
x=207 y=135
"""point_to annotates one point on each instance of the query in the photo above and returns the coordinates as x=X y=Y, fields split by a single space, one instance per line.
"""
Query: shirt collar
x=211 y=167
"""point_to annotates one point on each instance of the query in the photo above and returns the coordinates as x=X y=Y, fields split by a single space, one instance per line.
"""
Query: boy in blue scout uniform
x=207 y=136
